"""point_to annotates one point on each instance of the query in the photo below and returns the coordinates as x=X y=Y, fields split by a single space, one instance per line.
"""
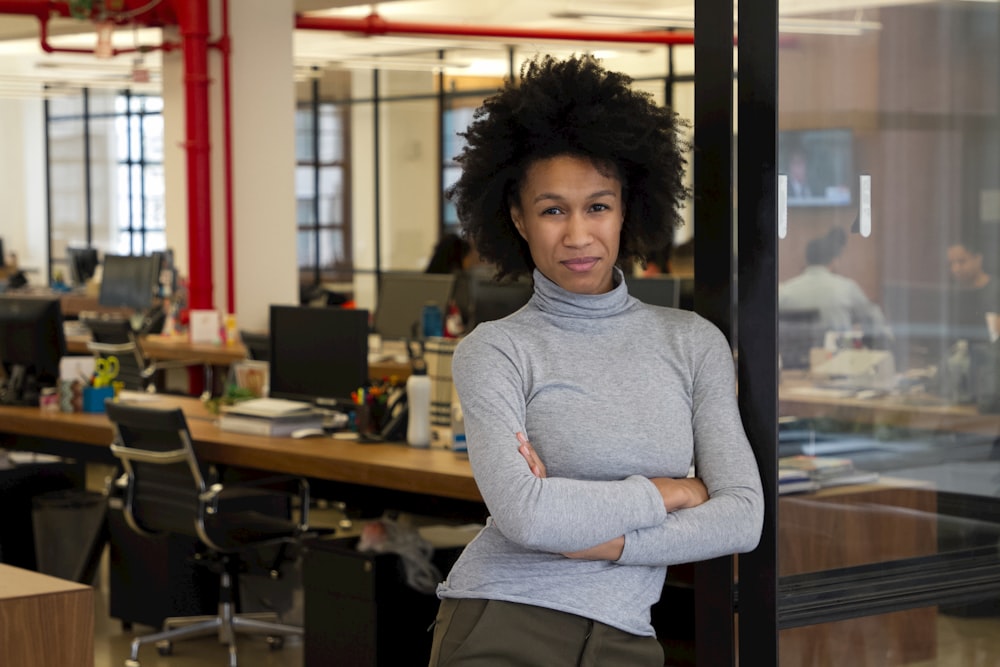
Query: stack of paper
x=823 y=471
x=795 y=481
x=270 y=416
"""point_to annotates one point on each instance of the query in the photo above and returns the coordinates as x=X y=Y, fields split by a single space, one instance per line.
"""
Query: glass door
x=888 y=272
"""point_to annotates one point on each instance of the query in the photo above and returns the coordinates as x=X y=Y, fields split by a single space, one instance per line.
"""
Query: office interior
x=895 y=107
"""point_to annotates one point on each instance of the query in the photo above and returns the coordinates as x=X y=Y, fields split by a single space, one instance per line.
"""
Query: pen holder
x=93 y=398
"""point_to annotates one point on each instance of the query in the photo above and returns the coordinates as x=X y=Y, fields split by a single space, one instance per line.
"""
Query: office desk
x=799 y=397
x=178 y=348
x=389 y=466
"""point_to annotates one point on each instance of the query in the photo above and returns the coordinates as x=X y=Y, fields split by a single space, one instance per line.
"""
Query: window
x=105 y=174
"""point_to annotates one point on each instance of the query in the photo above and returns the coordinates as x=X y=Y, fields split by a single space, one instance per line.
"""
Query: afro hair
x=570 y=107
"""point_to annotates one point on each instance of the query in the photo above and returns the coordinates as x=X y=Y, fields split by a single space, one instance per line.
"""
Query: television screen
x=318 y=354
x=819 y=165
x=32 y=343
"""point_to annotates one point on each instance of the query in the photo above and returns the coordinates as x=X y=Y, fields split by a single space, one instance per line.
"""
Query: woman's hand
x=683 y=493
x=535 y=464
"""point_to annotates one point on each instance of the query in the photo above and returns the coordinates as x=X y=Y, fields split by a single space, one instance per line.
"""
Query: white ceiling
x=24 y=66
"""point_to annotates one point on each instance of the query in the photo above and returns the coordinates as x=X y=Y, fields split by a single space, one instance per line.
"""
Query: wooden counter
x=45 y=621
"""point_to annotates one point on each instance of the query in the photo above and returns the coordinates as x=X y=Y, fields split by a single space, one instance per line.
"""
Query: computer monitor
x=656 y=291
x=82 y=264
x=129 y=281
x=401 y=299
x=318 y=354
x=798 y=333
x=32 y=343
x=492 y=300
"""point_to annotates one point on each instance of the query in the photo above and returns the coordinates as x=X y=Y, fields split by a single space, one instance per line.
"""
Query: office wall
x=22 y=179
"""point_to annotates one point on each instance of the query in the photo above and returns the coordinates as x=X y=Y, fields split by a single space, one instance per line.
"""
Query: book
x=818 y=467
x=270 y=426
x=791 y=480
x=271 y=408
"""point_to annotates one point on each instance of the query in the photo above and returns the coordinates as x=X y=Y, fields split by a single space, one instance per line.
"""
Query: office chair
x=166 y=489
x=258 y=345
x=114 y=337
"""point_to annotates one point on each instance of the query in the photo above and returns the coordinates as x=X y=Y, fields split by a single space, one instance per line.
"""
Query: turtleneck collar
x=551 y=298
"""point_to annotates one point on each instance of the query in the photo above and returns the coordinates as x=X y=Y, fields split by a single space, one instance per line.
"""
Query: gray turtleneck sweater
x=611 y=392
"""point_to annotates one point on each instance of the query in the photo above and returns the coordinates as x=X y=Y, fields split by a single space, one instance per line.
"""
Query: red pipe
x=194 y=28
x=224 y=46
x=373 y=24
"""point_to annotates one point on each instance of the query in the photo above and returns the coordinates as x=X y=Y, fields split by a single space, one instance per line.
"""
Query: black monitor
x=129 y=281
x=656 y=290
x=32 y=343
x=3 y=257
x=492 y=300
x=82 y=264
x=799 y=331
x=401 y=299
x=318 y=354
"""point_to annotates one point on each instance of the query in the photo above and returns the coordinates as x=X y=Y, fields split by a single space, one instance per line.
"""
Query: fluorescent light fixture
x=814 y=26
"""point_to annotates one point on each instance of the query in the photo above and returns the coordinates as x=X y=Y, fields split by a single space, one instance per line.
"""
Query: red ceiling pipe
x=373 y=24
x=194 y=28
x=161 y=14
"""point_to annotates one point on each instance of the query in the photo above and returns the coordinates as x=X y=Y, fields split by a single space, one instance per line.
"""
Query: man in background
x=842 y=304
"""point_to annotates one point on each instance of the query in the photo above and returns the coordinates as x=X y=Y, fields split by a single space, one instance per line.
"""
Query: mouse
x=307 y=432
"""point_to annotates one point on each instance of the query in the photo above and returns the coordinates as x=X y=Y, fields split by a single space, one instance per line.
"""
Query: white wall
x=22 y=180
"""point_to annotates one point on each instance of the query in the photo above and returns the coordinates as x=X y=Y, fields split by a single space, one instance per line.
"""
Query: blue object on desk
x=94 y=397
x=433 y=320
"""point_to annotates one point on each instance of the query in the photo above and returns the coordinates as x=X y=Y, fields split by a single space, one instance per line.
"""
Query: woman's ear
x=518 y=219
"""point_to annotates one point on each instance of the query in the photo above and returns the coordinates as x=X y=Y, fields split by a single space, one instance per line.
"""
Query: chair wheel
x=275 y=643
x=165 y=647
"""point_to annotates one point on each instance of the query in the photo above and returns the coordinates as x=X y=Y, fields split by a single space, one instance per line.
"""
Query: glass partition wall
x=888 y=204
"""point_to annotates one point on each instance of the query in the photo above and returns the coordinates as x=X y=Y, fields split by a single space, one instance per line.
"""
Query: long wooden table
x=392 y=466
x=798 y=396
x=179 y=349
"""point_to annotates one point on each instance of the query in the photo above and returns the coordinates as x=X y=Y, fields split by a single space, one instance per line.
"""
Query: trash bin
x=68 y=526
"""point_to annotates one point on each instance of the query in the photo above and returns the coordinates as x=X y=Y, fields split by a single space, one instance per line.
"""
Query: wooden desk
x=45 y=621
x=431 y=472
x=174 y=348
x=798 y=397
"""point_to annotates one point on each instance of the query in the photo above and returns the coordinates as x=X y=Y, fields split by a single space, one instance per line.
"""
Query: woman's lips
x=580 y=264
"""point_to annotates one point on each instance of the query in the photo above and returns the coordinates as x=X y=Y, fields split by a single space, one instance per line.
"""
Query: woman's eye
x=552 y=211
x=600 y=207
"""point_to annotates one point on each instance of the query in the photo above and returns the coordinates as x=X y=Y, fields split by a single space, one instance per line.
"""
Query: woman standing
x=585 y=410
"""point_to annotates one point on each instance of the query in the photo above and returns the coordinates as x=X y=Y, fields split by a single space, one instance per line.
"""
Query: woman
x=570 y=174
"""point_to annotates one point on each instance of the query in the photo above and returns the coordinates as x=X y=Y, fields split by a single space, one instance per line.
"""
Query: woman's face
x=571 y=216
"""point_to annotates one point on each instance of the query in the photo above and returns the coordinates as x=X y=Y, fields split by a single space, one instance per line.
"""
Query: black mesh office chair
x=166 y=489
x=114 y=337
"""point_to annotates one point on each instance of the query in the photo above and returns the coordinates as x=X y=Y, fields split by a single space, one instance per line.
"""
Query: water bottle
x=432 y=320
x=418 y=399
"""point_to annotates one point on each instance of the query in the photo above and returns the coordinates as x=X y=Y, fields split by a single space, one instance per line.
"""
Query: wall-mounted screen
x=819 y=165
